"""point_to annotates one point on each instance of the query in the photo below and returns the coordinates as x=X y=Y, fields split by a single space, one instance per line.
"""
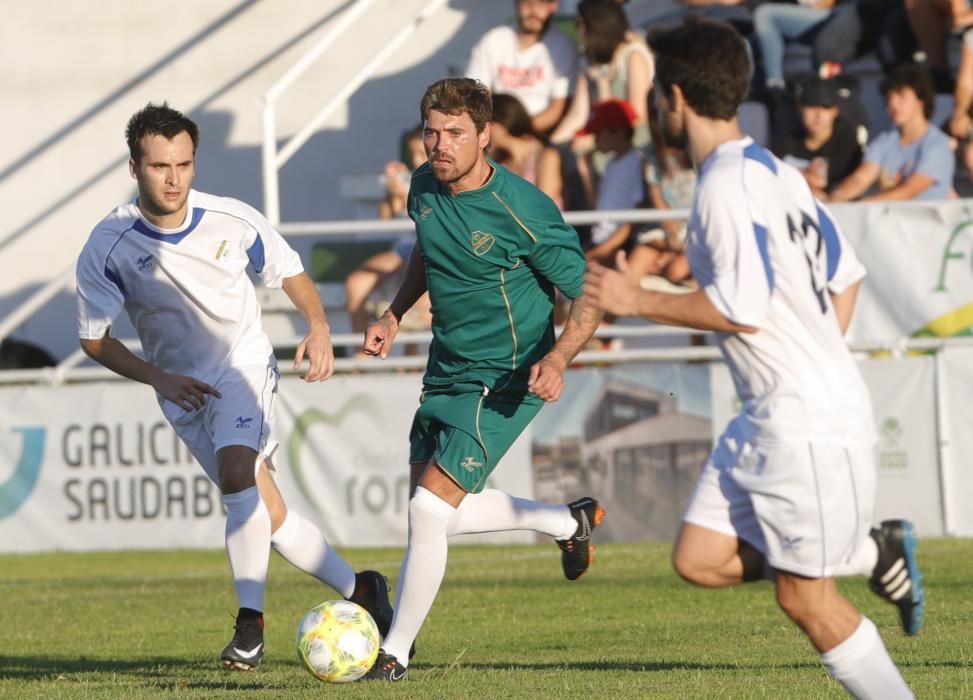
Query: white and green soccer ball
x=338 y=641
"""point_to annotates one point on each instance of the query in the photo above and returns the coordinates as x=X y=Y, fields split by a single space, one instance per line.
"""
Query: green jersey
x=493 y=257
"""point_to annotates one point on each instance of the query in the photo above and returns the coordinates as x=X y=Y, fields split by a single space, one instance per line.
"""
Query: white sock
x=248 y=545
x=862 y=561
x=862 y=664
x=301 y=543
x=422 y=571
x=494 y=511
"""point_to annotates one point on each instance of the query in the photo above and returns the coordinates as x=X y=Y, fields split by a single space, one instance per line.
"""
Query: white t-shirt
x=767 y=255
x=622 y=186
x=186 y=290
x=535 y=75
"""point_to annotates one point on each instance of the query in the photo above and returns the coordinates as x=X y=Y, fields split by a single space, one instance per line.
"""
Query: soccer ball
x=338 y=641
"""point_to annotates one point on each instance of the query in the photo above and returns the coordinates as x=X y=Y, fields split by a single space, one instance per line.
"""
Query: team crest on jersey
x=482 y=242
x=222 y=251
x=469 y=464
x=145 y=263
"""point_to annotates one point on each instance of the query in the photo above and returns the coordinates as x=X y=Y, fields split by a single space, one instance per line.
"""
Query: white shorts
x=242 y=416
x=805 y=506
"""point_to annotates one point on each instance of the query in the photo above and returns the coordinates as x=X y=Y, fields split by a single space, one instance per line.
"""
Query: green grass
x=505 y=625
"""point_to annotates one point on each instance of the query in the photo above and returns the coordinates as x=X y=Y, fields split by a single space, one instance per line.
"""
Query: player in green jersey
x=491 y=251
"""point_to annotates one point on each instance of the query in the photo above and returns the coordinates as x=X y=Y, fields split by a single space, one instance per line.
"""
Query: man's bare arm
x=380 y=335
x=547 y=376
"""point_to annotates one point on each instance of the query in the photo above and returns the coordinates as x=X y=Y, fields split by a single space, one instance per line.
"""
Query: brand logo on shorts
x=469 y=464
x=482 y=242
x=243 y=423
x=145 y=263
x=790 y=543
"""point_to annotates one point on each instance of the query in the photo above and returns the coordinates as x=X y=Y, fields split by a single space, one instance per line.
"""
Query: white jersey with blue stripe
x=186 y=290
x=768 y=254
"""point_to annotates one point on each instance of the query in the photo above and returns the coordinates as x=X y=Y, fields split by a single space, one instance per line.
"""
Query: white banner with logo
x=904 y=400
x=920 y=269
x=95 y=466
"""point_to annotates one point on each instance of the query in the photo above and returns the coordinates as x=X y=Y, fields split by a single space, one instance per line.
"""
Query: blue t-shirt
x=930 y=155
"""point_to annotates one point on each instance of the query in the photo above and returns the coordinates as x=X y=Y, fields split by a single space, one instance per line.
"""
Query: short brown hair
x=160 y=120
x=457 y=95
x=708 y=60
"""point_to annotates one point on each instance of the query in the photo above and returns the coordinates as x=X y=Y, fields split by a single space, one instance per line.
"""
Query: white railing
x=274 y=159
x=62 y=375
x=333 y=229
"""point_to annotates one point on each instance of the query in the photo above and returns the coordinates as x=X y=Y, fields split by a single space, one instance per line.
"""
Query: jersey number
x=808 y=236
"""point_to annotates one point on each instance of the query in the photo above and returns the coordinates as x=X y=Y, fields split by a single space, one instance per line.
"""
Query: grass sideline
x=506 y=625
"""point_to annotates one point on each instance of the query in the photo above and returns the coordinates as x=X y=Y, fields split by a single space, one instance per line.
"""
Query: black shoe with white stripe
x=245 y=650
x=577 y=552
x=896 y=577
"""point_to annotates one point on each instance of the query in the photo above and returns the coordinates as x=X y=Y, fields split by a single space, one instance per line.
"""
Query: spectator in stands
x=671 y=180
x=960 y=124
x=912 y=160
x=20 y=354
x=363 y=281
x=824 y=147
x=616 y=65
x=534 y=62
x=622 y=186
x=857 y=27
x=514 y=145
x=932 y=22
x=775 y=23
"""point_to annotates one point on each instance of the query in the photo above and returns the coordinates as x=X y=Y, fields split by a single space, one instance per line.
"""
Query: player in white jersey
x=789 y=489
x=176 y=261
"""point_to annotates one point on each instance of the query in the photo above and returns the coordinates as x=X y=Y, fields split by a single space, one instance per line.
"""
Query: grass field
x=505 y=625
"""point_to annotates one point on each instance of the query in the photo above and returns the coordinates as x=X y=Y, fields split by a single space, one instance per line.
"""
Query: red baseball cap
x=609 y=114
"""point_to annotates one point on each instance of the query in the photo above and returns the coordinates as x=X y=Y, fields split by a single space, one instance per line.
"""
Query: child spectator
x=622 y=185
x=911 y=161
x=515 y=146
x=824 y=147
x=364 y=280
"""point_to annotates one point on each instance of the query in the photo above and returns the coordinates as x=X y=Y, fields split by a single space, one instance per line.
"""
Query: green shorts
x=468 y=432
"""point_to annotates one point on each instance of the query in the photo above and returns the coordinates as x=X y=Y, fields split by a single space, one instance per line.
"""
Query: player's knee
x=689 y=568
x=797 y=601
x=236 y=477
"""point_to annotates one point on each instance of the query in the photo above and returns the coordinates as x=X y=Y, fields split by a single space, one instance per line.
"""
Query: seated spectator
x=622 y=186
x=515 y=146
x=912 y=160
x=671 y=179
x=775 y=23
x=616 y=65
x=534 y=62
x=932 y=22
x=960 y=123
x=20 y=354
x=857 y=27
x=824 y=147
x=363 y=281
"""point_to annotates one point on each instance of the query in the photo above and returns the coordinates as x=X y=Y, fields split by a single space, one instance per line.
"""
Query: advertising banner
x=920 y=269
x=95 y=466
x=906 y=451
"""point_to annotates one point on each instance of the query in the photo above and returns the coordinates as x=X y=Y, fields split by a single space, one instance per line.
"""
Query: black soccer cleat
x=896 y=577
x=372 y=593
x=577 y=552
x=386 y=668
x=245 y=650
